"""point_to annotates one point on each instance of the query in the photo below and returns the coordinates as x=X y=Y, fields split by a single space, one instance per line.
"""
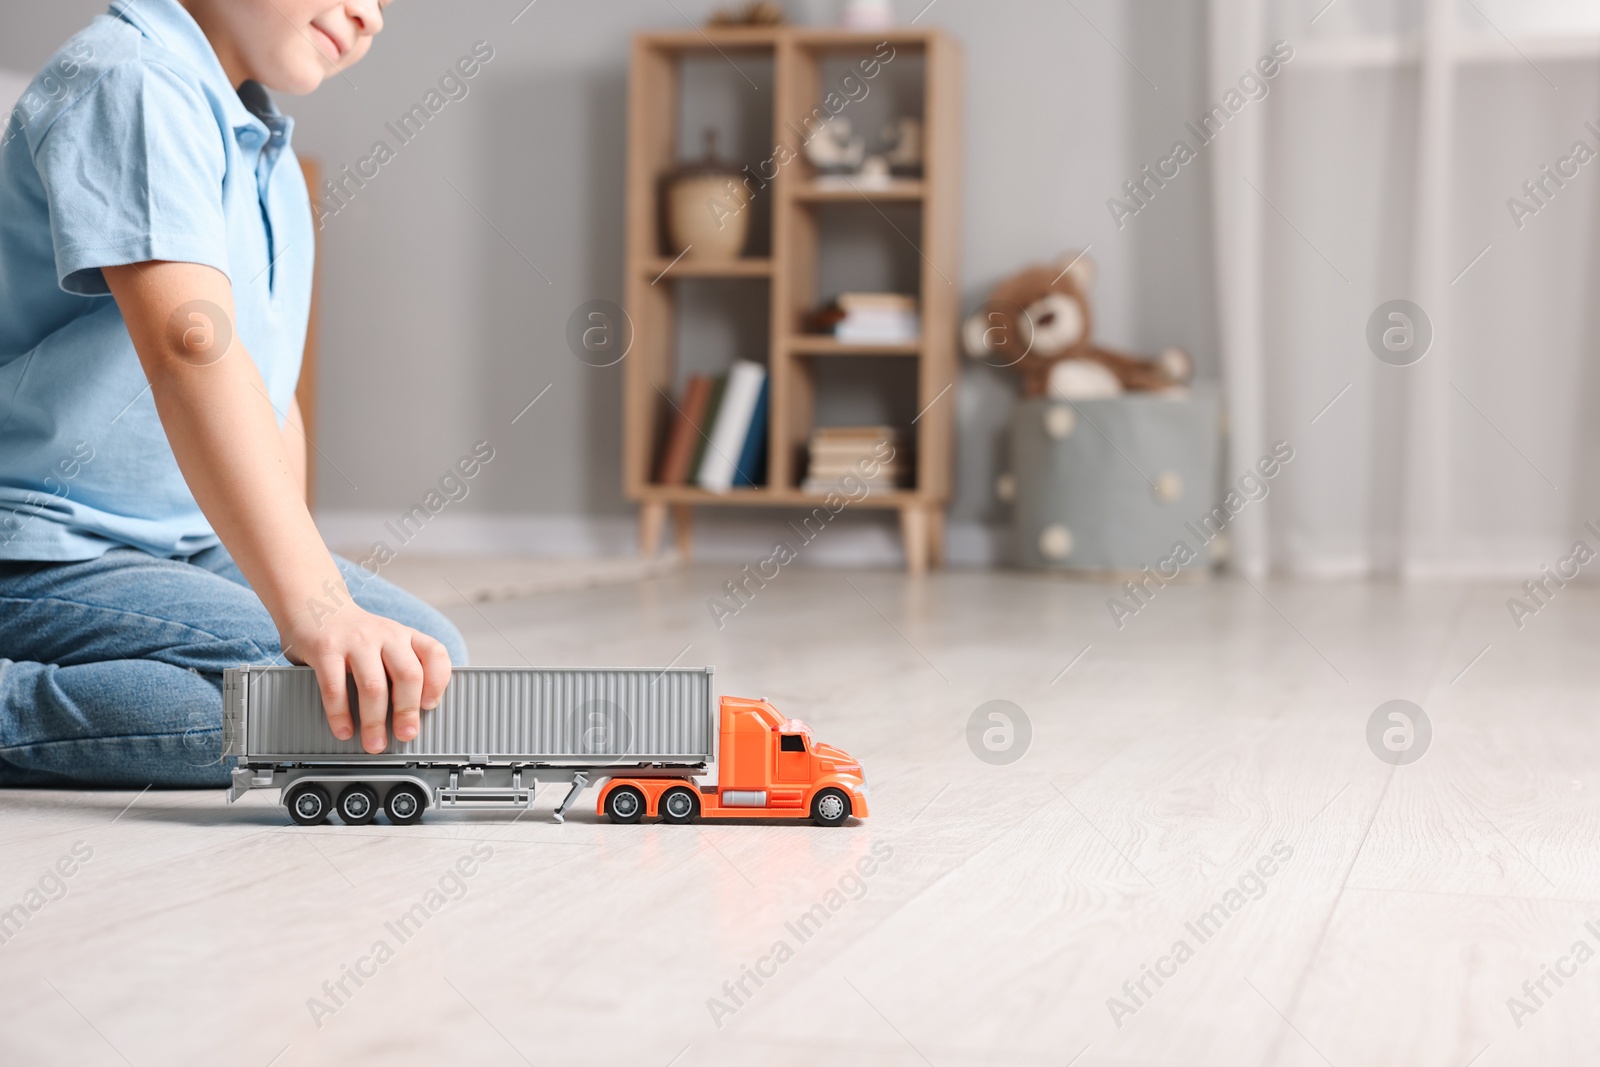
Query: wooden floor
x=1221 y=732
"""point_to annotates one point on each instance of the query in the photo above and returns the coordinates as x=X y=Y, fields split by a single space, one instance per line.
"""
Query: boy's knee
x=115 y=723
x=252 y=642
x=181 y=740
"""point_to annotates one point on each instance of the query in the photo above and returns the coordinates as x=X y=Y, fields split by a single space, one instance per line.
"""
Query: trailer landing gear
x=579 y=781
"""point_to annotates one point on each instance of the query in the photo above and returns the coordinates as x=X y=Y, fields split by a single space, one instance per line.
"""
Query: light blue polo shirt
x=131 y=145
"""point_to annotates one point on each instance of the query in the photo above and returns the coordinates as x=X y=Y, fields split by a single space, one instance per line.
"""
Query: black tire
x=625 y=804
x=308 y=804
x=404 y=804
x=680 y=806
x=831 y=807
x=358 y=805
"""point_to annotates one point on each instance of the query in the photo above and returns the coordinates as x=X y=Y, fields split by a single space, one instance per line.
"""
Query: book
x=846 y=449
x=867 y=318
x=839 y=451
x=840 y=464
x=688 y=423
x=870 y=434
x=753 y=456
x=878 y=327
x=719 y=384
x=853 y=302
x=732 y=422
x=848 y=484
x=890 y=471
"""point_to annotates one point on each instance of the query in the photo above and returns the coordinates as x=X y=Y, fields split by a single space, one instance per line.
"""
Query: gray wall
x=439 y=324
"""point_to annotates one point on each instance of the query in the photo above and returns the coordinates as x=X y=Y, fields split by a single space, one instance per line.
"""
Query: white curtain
x=1382 y=165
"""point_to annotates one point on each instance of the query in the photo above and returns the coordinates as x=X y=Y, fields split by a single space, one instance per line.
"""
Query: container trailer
x=647 y=735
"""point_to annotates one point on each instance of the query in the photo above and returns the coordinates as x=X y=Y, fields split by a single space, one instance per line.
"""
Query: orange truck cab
x=768 y=767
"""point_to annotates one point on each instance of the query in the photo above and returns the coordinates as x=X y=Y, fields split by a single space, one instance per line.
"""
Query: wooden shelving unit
x=797 y=55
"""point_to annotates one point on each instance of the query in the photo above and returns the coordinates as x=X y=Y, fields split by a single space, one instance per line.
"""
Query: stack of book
x=870 y=319
x=718 y=435
x=837 y=451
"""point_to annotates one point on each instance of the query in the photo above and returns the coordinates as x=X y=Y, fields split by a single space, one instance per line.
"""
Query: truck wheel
x=308 y=804
x=830 y=808
x=625 y=804
x=358 y=805
x=680 y=806
x=404 y=804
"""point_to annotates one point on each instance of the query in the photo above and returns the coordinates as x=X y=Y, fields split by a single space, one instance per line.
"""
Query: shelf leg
x=683 y=530
x=914 y=535
x=936 y=537
x=652 y=523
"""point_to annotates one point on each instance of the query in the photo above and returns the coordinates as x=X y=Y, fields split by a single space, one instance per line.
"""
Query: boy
x=155 y=273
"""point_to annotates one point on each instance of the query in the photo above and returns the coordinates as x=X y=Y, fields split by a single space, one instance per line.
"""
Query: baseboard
x=868 y=539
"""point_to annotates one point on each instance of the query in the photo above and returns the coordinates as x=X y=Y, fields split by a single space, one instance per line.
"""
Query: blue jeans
x=111 y=668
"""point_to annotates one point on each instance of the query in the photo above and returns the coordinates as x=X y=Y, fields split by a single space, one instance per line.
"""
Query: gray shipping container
x=551 y=716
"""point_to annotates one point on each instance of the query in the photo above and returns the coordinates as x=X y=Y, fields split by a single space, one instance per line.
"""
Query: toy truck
x=770 y=768
x=499 y=732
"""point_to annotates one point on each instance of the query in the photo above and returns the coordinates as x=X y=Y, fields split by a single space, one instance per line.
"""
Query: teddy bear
x=1038 y=322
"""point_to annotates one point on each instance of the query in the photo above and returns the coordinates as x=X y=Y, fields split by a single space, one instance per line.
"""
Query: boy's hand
x=230 y=447
x=391 y=664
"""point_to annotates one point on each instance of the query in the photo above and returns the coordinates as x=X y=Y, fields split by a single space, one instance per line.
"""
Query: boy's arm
x=294 y=443
x=220 y=424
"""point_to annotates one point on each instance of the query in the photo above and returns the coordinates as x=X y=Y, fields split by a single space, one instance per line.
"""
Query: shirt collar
x=277 y=126
x=169 y=25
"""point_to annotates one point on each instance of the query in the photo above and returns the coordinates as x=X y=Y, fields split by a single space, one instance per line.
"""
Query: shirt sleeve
x=132 y=172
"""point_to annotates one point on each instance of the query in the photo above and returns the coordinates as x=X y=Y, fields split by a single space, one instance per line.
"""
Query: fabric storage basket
x=1113 y=485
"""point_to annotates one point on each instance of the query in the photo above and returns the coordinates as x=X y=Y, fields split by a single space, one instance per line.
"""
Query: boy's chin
x=296 y=71
x=295 y=82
